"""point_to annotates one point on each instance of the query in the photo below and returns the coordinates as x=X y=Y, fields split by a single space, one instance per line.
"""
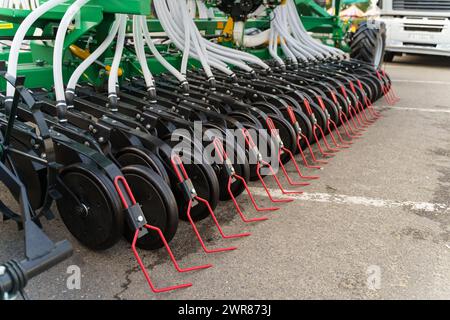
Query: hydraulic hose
x=181 y=78
x=173 y=32
x=301 y=32
x=273 y=48
x=58 y=57
x=19 y=37
x=114 y=72
x=187 y=43
x=140 y=52
x=70 y=91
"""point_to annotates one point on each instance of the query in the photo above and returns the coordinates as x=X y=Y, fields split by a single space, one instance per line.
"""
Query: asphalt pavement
x=375 y=226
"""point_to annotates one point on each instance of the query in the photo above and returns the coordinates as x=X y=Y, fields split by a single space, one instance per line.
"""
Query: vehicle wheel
x=95 y=217
x=389 y=56
x=287 y=135
x=143 y=157
x=240 y=165
x=207 y=186
x=158 y=205
x=205 y=183
x=369 y=42
x=263 y=142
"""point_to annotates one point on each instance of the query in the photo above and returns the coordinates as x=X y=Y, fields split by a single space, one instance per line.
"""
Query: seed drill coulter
x=97 y=95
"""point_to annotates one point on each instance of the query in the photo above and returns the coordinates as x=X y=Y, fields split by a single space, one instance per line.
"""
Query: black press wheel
x=203 y=178
x=287 y=134
x=304 y=123
x=238 y=159
x=141 y=156
x=264 y=144
x=207 y=186
x=242 y=168
x=95 y=217
x=158 y=205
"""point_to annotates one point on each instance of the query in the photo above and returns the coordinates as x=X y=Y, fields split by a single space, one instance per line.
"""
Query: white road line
x=416 y=109
x=363 y=201
x=445 y=83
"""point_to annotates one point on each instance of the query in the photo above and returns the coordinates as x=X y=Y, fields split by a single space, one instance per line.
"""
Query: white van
x=416 y=26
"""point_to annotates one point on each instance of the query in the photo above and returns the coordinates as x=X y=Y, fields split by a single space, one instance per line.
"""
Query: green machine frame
x=98 y=15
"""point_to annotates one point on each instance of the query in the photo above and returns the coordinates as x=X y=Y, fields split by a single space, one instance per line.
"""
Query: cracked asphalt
x=311 y=249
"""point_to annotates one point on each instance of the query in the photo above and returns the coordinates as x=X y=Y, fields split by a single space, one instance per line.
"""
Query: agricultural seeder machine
x=131 y=115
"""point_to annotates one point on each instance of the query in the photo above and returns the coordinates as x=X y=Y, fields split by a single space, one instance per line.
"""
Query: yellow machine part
x=84 y=54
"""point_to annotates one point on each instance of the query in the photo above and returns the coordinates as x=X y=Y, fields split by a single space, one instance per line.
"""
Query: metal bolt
x=101 y=139
x=140 y=218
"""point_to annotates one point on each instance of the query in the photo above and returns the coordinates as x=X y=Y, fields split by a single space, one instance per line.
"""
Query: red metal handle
x=333 y=95
x=308 y=106
x=178 y=166
x=291 y=115
x=321 y=103
x=248 y=138
x=344 y=92
x=121 y=179
x=352 y=87
x=219 y=149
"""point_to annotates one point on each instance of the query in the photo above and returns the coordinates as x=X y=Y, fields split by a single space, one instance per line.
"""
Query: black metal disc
x=342 y=102
x=141 y=156
x=240 y=165
x=245 y=118
x=320 y=116
x=301 y=117
x=261 y=141
x=96 y=219
x=287 y=134
x=157 y=202
x=205 y=183
x=242 y=168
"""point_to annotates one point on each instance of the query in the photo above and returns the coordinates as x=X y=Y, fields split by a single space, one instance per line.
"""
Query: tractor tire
x=389 y=56
x=369 y=43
